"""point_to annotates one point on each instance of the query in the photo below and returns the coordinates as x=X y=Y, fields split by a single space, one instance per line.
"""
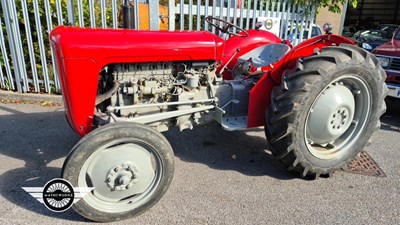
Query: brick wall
x=324 y=16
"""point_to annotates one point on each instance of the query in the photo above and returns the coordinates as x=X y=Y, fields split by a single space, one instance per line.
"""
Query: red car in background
x=389 y=56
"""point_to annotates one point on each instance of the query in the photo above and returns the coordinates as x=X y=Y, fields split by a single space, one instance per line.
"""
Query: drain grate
x=365 y=165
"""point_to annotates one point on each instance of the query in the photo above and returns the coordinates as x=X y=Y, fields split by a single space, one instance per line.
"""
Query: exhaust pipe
x=128 y=19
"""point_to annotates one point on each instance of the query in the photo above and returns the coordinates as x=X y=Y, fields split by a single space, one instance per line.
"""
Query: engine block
x=144 y=87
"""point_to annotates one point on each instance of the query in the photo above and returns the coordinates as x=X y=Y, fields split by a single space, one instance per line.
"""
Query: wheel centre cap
x=330 y=115
x=122 y=177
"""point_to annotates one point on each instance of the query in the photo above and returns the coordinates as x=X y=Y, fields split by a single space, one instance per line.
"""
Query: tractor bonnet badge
x=58 y=195
x=268 y=24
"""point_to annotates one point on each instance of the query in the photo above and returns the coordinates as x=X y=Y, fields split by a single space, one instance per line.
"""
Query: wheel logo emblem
x=58 y=195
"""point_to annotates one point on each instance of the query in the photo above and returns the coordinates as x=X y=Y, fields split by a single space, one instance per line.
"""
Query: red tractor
x=319 y=102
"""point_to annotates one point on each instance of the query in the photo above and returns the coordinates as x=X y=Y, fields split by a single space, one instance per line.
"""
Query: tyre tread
x=297 y=83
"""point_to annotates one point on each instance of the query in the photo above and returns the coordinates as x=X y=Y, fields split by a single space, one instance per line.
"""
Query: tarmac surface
x=220 y=177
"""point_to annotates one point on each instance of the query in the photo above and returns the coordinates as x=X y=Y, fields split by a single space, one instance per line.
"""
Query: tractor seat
x=265 y=54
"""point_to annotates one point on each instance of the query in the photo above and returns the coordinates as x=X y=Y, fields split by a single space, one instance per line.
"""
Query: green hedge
x=45 y=28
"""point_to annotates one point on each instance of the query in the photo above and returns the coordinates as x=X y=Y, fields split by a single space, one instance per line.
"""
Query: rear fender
x=238 y=46
x=260 y=95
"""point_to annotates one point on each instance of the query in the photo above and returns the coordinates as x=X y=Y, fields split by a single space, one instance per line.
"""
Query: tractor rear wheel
x=326 y=110
x=130 y=166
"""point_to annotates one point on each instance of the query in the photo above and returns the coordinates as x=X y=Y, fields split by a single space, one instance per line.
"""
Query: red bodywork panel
x=390 y=48
x=82 y=53
x=242 y=46
x=260 y=95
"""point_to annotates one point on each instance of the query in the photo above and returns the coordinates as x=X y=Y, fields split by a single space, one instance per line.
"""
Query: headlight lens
x=384 y=61
x=366 y=46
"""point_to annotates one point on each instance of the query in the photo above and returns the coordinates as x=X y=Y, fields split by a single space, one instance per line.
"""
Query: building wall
x=324 y=16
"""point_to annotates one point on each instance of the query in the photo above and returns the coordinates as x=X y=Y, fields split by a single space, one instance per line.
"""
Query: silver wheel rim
x=338 y=117
x=125 y=174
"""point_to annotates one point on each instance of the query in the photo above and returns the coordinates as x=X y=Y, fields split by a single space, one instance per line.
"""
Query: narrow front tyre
x=129 y=165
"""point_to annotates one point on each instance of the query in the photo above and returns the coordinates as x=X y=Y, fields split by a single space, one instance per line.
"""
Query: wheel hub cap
x=331 y=115
x=115 y=178
x=122 y=177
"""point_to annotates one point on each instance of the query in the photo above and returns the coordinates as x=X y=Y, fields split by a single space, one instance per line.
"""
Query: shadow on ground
x=36 y=139
x=39 y=138
x=391 y=119
x=242 y=151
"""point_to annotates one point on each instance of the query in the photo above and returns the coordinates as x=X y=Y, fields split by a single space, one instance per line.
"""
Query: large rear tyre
x=326 y=110
x=130 y=166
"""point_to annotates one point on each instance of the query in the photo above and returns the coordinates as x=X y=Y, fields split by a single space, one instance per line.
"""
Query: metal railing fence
x=26 y=59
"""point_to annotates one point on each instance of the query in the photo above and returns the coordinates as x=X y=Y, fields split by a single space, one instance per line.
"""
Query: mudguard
x=260 y=95
x=238 y=46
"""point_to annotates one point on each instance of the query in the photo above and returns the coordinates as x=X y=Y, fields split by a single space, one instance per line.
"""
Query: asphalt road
x=220 y=177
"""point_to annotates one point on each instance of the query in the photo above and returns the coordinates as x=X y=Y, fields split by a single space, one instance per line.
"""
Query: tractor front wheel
x=130 y=166
x=326 y=109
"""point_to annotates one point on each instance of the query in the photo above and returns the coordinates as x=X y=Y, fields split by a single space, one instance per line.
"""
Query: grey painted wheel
x=338 y=116
x=326 y=110
x=129 y=165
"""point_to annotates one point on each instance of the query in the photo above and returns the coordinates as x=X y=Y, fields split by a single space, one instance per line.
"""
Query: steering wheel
x=226 y=27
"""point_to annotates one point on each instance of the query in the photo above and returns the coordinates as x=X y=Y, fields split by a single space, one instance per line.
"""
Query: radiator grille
x=395 y=64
